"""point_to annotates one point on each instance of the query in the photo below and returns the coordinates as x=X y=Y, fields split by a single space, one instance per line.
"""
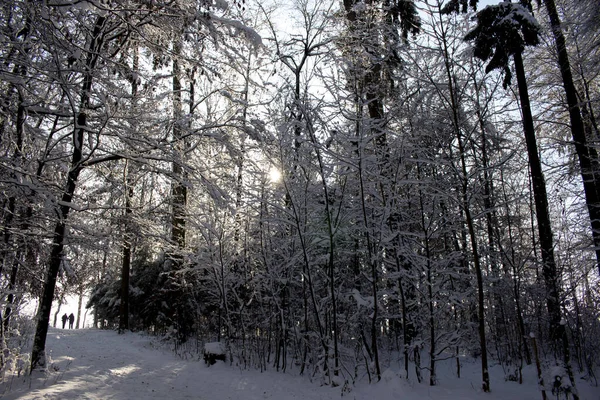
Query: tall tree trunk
x=541 y=204
x=38 y=353
x=466 y=208
x=178 y=185
x=306 y=271
x=178 y=198
x=331 y=237
x=19 y=70
x=374 y=79
x=372 y=263
x=516 y=275
x=590 y=172
x=558 y=333
x=126 y=261
x=491 y=220
x=17 y=156
x=429 y=284
x=478 y=270
x=127 y=236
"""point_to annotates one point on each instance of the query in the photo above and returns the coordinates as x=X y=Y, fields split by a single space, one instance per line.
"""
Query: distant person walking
x=64 y=319
x=71 y=320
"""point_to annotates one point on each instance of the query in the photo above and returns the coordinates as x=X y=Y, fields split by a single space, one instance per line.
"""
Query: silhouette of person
x=64 y=319
x=71 y=319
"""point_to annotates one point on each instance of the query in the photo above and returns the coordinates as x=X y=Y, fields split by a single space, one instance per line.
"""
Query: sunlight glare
x=274 y=175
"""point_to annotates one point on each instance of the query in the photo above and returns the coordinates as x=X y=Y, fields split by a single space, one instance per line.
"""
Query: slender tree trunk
x=478 y=273
x=372 y=264
x=331 y=237
x=538 y=367
x=38 y=353
x=492 y=226
x=20 y=71
x=126 y=262
x=60 y=301
x=178 y=186
x=79 y=304
x=127 y=237
x=306 y=271
x=11 y=206
x=466 y=208
x=430 y=305
x=17 y=156
x=516 y=275
x=407 y=336
x=12 y=296
x=179 y=194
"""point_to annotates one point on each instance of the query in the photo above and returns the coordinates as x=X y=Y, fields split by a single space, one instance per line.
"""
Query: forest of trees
x=336 y=186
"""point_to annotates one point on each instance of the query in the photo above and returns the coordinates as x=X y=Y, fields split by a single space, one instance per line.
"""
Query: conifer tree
x=503 y=31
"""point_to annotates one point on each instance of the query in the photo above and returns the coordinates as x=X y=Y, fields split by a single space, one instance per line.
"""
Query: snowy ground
x=93 y=364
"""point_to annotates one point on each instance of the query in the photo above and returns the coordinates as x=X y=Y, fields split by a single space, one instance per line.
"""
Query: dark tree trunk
x=466 y=208
x=11 y=295
x=60 y=301
x=179 y=316
x=331 y=252
x=79 y=303
x=126 y=266
x=558 y=333
x=127 y=239
x=541 y=205
x=478 y=273
x=590 y=172
x=18 y=154
x=21 y=71
x=178 y=187
x=38 y=353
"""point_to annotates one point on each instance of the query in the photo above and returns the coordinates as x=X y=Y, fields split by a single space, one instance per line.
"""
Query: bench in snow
x=214 y=351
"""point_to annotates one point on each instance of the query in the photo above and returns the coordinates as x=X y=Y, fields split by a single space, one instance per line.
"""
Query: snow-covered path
x=102 y=365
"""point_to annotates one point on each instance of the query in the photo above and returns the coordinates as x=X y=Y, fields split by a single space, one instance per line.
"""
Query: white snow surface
x=214 y=348
x=98 y=364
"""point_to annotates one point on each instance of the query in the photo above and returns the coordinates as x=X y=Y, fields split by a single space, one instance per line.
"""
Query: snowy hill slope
x=93 y=364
